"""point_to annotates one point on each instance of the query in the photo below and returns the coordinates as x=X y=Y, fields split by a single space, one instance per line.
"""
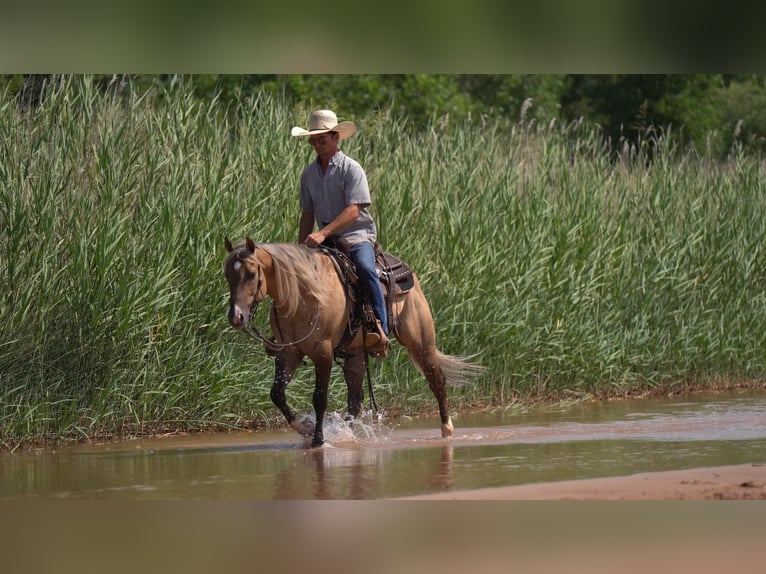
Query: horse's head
x=247 y=283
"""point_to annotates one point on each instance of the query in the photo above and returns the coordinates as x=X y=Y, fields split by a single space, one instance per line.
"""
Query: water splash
x=370 y=427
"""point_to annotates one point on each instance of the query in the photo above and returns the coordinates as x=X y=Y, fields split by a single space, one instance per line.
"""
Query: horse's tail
x=458 y=370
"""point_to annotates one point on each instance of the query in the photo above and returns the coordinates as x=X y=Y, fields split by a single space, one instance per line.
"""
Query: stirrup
x=376 y=342
x=379 y=351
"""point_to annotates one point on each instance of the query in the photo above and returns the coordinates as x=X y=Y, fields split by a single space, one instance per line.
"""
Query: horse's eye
x=249 y=275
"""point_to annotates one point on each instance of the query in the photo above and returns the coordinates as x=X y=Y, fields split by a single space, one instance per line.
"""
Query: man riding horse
x=311 y=315
x=335 y=195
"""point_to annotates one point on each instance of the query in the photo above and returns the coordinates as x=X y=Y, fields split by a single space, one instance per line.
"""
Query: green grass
x=570 y=272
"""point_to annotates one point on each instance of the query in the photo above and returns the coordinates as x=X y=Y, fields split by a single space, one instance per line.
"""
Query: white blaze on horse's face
x=243 y=289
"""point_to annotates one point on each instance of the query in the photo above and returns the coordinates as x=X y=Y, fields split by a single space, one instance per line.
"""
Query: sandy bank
x=740 y=482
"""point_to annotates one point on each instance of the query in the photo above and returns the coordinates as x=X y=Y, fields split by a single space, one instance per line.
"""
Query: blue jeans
x=363 y=256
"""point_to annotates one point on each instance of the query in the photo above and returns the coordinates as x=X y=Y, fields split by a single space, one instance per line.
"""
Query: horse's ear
x=227 y=243
x=250 y=244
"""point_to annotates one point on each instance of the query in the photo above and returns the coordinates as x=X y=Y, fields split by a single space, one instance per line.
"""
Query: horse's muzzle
x=237 y=318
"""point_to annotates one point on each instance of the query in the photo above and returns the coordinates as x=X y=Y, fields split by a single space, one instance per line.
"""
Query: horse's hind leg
x=426 y=358
x=418 y=335
x=428 y=362
x=353 y=372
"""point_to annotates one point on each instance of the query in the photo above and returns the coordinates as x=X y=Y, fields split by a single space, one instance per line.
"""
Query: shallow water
x=382 y=459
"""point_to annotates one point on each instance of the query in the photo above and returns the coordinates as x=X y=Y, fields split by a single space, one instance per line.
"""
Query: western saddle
x=395 y=278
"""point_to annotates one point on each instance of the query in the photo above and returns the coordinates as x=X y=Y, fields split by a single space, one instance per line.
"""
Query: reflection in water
x=442 y=479
x=357 y=473
x=374 y=461
x=356 y=481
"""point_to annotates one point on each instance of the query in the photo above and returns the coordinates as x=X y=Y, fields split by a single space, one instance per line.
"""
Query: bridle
x=252 y=331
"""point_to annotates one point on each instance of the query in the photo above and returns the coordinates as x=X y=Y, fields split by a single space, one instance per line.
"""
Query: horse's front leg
x=322 y=367
x=285 y=364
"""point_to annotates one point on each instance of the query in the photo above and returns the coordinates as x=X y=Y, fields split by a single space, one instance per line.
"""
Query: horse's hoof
x=447 y=429
x=303 y=426
x=316 y=443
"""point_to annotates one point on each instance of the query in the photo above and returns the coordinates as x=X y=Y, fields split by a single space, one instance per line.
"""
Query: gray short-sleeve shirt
x=327 y=194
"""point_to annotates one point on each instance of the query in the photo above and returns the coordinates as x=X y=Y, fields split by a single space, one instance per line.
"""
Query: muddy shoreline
x=738 y=482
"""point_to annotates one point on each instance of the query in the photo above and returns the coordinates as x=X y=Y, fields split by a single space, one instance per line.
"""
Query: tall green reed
x=569 y=271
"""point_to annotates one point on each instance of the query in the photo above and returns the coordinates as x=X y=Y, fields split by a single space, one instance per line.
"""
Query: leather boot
x=376 y=342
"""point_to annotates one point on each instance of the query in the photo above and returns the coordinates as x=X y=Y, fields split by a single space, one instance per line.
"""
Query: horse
x=309 y=316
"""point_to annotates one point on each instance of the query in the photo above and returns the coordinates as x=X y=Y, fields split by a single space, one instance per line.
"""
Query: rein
x=270 y=343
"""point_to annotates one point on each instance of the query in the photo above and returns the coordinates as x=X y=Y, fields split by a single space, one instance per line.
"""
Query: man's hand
x=344 y=219
x=315 y=239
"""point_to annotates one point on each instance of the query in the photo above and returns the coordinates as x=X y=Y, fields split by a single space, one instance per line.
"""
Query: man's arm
x=344 y=219
x=305 y=226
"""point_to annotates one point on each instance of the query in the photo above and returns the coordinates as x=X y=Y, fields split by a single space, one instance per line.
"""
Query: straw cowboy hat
x=323 y=121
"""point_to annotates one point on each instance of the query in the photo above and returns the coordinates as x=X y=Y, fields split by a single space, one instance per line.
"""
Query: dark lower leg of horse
x=277 y=395
x=320 y=406
x=320 y=401
x=283 y=373
x=353 y=372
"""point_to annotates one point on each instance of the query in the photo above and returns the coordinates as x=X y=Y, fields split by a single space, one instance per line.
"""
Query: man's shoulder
x=348 y=162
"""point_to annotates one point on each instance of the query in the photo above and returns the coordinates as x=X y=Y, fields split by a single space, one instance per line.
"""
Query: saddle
x=396 y=279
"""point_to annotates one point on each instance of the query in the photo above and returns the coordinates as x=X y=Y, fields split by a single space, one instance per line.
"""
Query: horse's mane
x=297 y=275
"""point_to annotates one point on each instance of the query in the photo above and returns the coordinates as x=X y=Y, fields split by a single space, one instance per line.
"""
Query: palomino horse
x=308 y=318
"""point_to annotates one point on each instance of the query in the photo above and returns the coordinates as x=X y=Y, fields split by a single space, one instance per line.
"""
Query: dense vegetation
x=572 y=269
x=711 y=112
